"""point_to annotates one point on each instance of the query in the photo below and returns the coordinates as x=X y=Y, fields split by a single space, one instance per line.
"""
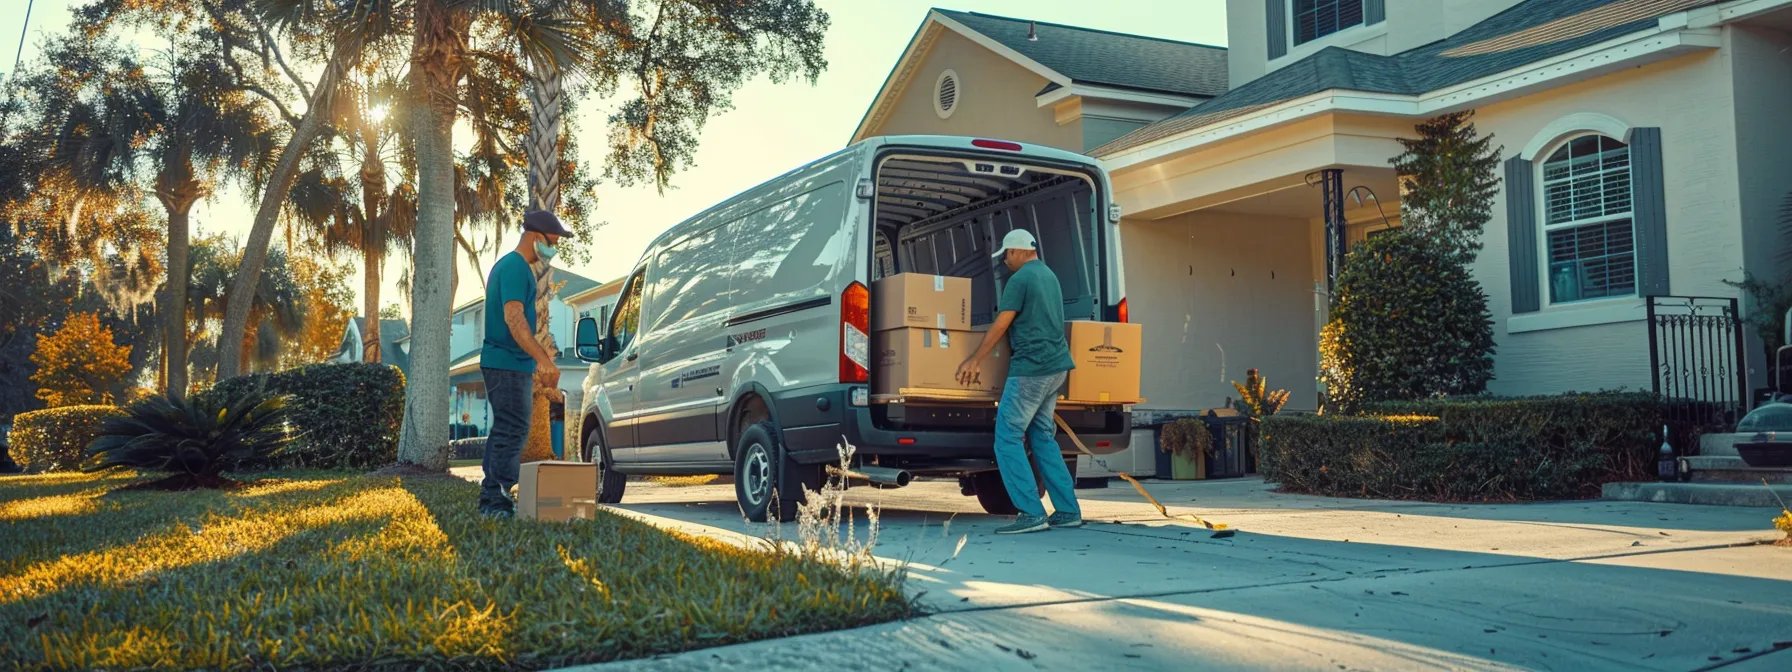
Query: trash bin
x=1230 y=454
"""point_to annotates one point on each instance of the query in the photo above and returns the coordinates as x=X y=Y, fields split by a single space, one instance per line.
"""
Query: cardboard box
x=556 y=491
x=919 y=300
x=929 y=358
x=1107 y=362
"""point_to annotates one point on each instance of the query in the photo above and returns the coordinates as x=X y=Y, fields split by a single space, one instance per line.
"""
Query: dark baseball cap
x=542 y=221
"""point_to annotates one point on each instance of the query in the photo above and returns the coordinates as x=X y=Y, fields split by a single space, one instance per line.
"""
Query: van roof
x=954 y=142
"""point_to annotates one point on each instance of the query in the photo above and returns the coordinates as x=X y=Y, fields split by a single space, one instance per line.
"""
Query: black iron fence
x=1696 y=357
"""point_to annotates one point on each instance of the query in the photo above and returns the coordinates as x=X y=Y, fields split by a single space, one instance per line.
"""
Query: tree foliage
x=328 y=304
x=80 y=364
x=1409 y=322
x=1448 y=180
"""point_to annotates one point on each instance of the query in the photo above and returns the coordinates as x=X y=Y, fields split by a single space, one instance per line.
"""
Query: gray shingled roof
x=1113 y=59
x=1528 y=32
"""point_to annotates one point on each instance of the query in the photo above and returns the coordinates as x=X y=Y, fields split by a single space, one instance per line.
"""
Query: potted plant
x=1256 y=401
x=1188 y=441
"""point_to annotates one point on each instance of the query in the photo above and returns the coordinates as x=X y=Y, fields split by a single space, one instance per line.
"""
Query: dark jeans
x=509 y=393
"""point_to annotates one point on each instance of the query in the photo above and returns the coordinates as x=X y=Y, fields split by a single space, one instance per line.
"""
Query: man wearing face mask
x=511 y=359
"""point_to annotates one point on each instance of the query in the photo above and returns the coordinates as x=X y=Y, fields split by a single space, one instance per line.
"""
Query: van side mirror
x=588 y=344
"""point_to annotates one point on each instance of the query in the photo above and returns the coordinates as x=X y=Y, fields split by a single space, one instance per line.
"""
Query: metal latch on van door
x=866 y=189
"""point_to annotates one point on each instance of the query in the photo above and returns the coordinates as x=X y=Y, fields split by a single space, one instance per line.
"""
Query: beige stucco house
x=1645 y=154
x=1643 y=145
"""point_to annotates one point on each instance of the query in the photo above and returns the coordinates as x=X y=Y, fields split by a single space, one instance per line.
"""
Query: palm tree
x=207 y=130
x=365 y=215
x=348 y=27
x=276 y=306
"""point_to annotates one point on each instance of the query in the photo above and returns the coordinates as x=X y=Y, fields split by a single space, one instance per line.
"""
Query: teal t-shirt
x=1037 y=335
x=511 y=280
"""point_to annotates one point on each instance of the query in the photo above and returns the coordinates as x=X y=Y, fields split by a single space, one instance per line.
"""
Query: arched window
x=1588 y=235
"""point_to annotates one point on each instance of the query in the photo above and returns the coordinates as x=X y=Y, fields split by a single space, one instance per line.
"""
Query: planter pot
x=1766 y=454
x=1187 y=469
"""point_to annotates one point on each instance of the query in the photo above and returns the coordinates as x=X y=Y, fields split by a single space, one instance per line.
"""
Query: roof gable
x=1063 y=55
x=1085 y=55
x=1525 y=33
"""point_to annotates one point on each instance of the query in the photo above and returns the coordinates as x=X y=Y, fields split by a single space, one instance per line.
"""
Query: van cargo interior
x=944 y=215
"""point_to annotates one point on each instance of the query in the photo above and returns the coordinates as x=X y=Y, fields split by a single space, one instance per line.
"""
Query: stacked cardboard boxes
x=922 y=326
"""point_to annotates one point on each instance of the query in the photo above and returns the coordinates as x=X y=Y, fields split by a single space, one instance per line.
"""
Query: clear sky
x=771 y=129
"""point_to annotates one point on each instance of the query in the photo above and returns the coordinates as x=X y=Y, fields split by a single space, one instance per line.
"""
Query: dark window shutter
x=1276 y=16
x=1521 y=234
x=1374 y=11
x=1649 y=196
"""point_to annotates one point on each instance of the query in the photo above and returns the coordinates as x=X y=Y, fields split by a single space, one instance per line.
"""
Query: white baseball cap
x=1018 y=239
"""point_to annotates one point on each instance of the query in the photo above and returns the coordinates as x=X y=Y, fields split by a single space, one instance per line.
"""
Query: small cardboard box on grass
x=556 y=491
x=1107 y=357
x=921 y=300
x=929 y=359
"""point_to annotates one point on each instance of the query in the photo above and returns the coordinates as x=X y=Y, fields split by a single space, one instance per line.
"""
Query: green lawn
x=331 y=570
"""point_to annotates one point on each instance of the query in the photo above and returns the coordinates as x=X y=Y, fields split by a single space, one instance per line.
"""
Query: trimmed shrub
x=347 y=415
x=467 y=449
x=1407 y=323
x=1483 y=449
x=55 y=439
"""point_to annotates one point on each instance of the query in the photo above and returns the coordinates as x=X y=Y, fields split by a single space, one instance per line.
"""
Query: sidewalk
x=1308 y=583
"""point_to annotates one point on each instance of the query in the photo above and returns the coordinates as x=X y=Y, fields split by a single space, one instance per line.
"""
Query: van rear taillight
x=855 y=334
x=1121 y=312
x=1003 y=145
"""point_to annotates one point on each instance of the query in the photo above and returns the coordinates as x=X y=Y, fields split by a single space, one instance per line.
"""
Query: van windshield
x=945 y=215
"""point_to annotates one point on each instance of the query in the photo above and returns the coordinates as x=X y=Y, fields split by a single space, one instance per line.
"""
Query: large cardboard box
x=556 y=491
x=929 y=358
x=1107 y=362
x=920 y=300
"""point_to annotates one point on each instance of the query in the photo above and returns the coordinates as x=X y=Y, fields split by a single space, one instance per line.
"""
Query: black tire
x=609 y=483
x=993 y=494
x=759 y=468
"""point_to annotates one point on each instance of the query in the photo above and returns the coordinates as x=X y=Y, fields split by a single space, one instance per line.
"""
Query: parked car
x=741 y=342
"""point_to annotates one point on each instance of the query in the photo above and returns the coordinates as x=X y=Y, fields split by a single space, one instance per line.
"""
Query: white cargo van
x=740 y=344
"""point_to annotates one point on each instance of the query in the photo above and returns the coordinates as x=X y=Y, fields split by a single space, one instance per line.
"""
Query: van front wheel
x=759 y=465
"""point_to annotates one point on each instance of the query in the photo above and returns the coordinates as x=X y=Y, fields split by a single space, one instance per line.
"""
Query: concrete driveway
x=1307 y=583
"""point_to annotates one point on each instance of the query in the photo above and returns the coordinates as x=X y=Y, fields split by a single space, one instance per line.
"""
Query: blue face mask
x=545 y=251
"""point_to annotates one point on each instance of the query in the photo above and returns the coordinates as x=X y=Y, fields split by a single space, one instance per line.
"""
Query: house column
x=1331 y=183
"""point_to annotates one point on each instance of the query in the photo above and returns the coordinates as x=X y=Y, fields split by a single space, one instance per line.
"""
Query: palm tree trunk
x=543 y=148
x=373 y=245
x=174 y=319
x=438 y=51
x=236 y=315
x=370 y=305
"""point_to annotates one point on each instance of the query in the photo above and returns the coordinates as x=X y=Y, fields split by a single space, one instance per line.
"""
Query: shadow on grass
x=384 y=571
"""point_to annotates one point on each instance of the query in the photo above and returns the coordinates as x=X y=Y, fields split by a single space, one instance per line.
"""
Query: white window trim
x=1580 y=314
x=1348 y=37
x=1547 y=301
x=1571 y=126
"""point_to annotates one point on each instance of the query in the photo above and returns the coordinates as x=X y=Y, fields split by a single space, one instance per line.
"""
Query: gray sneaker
x=1023 y=524
x=1063 y=519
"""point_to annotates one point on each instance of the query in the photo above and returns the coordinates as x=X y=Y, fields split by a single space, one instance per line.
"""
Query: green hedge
x=1479 y=449
x=347 y=415
x=55 y=439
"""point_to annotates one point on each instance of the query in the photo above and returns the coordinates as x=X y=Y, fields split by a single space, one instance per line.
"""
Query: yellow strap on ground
x=1078 y=442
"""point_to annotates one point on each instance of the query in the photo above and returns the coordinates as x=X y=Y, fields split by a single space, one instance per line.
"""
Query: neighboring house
x=467 y=335
x=1645 y=153
x=395 y=336
x=1040 y=83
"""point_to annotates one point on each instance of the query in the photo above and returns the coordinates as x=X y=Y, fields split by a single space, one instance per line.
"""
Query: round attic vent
x=945 y=94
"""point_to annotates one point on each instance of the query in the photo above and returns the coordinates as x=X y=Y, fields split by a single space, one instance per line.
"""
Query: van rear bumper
x=814 y=422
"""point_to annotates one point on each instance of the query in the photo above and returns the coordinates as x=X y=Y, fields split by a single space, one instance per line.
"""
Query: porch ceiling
x=1301 y=201
x=1266 y=173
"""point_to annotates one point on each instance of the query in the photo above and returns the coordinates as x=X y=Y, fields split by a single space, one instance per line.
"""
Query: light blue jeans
x=1029 y=404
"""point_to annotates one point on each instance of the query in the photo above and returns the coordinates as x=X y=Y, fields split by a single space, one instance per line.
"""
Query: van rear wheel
x=760 y=465
x=992 y=493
